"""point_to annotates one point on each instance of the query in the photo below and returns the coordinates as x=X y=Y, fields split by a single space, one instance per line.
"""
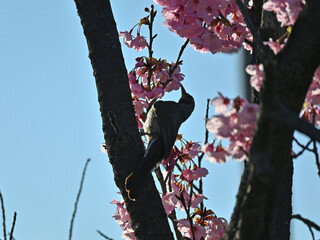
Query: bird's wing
x=170 y=116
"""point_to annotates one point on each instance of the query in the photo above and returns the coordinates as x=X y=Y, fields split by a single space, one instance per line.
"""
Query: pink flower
x=162 y=76
x=220 y=103
x=185 y=229
x=224 y=124
x=128 y=234
x=121 y=216
x=169 y=202
x=216 y=229
x=195 y=174
x=215 y=154
x=247 y=114
x=196 y=199
x=274 y=46
x=127 y=38
x=257 y=75
x=287 y=11
x=170 y=162
x=139 y=43
x=208 y=10
x=192 y=149
x=103 y=148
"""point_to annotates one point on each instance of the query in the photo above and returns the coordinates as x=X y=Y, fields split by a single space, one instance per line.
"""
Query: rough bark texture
x=120 y=129
x=263 y=207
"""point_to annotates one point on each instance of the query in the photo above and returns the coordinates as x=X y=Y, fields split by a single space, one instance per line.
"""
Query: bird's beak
x=183 y=91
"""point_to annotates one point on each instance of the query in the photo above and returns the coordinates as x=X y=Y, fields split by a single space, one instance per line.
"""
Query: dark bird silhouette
x=161 y=128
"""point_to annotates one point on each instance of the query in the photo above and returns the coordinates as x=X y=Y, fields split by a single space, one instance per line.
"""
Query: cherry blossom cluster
x=137 y=43
x=149 y=80
x=211 y=25
x=180 y=194
x=235 y=122
x=122 y=217
x=311 y=107
x=287 y=11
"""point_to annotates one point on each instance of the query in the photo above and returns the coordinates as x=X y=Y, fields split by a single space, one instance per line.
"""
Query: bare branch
x=315 y=151
x=13 y=224
x=306 y=147
x=161 y=180
x=309 y=223
x=104 y=236
x=293 y=120
x=3 y=218
x=78 y=197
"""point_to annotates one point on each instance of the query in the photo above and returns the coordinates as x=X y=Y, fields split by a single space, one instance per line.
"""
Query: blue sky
x=50 y=122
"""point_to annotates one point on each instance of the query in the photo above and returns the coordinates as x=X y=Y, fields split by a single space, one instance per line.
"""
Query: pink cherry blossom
x=216 y=229
x=127 y=38
x=287 y=11
x=275 y=46
x=215 y=154
x=257 y=75
x=169 y=202
x=139 y=106
x=220 y=103
x=139 y=43
x=195 y=174
x=247 y=114
x=185 y=229
x=121 y=216
x=215 y=26
x=103 y=148
x=128 y=234
x=197 y=199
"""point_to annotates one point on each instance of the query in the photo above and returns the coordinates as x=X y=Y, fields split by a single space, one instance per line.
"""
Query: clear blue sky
x=50 y=122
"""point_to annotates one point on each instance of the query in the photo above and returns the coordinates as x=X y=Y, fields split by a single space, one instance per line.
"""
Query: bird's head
x=186 y=102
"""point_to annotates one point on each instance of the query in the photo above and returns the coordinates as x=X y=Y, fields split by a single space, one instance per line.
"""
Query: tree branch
x=13 y=224
x=306 y=221
x=77 y=199
x=3 y=218
x=103 y=235
x=114 y=96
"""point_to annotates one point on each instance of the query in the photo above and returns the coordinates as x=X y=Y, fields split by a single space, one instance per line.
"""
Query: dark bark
x=263 y=207
x=120 y=129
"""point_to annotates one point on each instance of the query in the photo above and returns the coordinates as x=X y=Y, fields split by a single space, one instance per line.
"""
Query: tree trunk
x=263 y=207
x=120 y=129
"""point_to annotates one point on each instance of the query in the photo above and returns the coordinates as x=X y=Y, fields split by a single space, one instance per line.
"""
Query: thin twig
x=311 y=232
x=161 y=180
x=173 y=217
x=179 y=56
x=315 y=151
x=202 y=155
x=187 y=210
x=3 y=218
x=304 y=147
x=306 y=221
x=151 y=37
x=78 y=197
x=13 y=224
x=101 y=234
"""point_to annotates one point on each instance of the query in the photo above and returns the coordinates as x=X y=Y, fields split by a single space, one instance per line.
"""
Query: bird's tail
x=135 y=179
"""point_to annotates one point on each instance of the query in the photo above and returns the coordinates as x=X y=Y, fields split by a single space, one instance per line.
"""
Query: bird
x=161 y=129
